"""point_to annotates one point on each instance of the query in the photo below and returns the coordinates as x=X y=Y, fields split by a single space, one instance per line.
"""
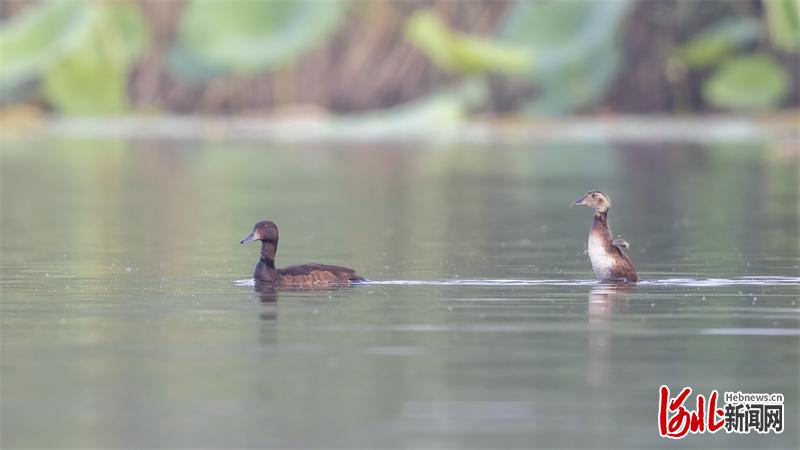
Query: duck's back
x=623 y=268
x=305 y=275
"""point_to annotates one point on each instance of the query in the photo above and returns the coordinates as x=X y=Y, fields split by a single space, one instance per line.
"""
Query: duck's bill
x=250 y=238
x=580 y=201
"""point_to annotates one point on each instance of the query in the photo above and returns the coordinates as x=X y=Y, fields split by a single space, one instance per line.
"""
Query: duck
x=301 y=276
x=609 y=261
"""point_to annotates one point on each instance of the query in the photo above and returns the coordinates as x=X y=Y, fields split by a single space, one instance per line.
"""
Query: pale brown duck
x=609 y=262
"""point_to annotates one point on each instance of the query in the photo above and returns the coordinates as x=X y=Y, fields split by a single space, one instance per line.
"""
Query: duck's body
x=306 y=275
x=301 y=276
x=609 y=262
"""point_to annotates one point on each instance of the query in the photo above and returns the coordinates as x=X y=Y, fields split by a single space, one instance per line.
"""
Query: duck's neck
x=268 y=249
x=265 y=269
x=600 y=226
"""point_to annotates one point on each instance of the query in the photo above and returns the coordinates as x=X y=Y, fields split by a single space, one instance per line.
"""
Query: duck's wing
x=326 y=270
x=620 y=243
x=623 y=267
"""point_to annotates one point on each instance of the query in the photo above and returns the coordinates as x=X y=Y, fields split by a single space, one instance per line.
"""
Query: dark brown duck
x=609 y=262
x=304 y=275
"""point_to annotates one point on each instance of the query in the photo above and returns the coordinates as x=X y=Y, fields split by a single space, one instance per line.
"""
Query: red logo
x=675 y=421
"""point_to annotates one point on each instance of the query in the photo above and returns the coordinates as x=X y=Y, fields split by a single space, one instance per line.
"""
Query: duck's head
x=595 y=199
x=264 y=231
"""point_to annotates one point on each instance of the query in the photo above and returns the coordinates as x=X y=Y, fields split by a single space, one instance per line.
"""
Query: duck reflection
x=266 y=292
x=268 y=296
x=604 y=300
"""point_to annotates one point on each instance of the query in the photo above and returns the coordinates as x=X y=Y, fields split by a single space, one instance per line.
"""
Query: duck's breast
x=602 y=260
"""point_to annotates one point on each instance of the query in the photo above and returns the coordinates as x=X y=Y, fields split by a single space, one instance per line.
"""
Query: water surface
x=128 y=319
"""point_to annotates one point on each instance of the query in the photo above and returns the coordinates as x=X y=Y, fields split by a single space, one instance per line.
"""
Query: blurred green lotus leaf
x=747 y=83
x=439 y=110
x=456 y=52
x=33 y=41
x=717 y=42
x=93 y=78
x=242 y=36
x=783 y=17
x=578 y=85
x=574 y=46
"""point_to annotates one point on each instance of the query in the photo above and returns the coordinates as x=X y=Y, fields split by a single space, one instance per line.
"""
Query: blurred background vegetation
x=314 y=57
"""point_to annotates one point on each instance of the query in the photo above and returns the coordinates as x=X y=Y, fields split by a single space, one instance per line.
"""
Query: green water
x=123 y=324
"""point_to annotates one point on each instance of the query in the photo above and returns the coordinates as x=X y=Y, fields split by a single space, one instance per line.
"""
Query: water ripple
x=686 y=282
x=751 y=331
